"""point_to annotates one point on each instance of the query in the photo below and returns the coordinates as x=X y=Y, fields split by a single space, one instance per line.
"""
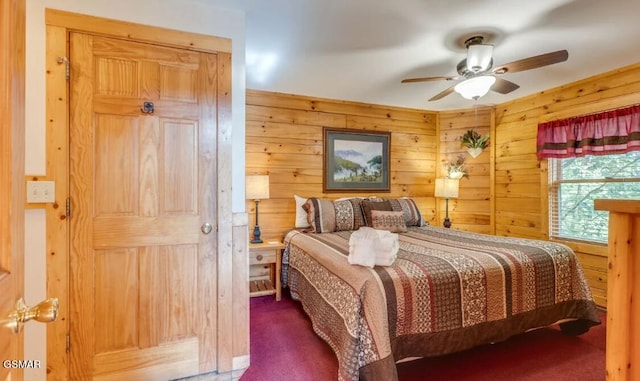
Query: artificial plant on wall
x=474 y=142
x=456 y=168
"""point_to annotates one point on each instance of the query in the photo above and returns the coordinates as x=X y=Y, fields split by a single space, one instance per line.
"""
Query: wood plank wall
x=284 y=139
x=472 y=210
x=506 y=192
x=521 y=180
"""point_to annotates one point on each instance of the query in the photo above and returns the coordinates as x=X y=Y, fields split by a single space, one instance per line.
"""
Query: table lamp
x=257 y=188
x=447 y=188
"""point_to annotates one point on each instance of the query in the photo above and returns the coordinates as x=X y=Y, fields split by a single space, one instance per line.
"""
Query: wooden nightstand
x=267 y=255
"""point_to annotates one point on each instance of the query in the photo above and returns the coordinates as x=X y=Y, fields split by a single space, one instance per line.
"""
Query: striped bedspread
x=447 y=291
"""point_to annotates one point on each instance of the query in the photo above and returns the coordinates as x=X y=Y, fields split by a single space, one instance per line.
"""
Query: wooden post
x=623 y=316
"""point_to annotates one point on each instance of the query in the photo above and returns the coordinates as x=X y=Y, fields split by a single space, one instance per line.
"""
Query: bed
x=447 y=291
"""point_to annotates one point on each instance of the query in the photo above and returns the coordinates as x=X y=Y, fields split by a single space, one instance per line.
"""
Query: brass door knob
x=206 y=228
x=43 y=312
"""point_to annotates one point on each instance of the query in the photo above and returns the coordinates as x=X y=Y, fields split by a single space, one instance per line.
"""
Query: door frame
x=12 y=161
x=233 y=351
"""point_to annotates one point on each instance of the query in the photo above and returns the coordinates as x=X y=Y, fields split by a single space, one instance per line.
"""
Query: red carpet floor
x=285 y=348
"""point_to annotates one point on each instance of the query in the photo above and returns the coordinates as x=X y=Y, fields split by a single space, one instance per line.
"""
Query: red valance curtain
x=609 y=132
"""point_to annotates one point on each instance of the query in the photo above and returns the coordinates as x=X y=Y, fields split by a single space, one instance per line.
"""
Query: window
x=575 y=182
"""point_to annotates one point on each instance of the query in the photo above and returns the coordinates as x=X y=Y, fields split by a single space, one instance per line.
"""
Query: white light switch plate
x=41 y=191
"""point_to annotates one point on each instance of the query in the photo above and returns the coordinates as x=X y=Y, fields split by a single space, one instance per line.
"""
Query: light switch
x=41 y=191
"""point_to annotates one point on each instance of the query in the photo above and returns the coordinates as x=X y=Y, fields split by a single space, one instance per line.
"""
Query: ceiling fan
x=478 y=75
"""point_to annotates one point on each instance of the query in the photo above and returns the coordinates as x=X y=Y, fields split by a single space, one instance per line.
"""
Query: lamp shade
x=447 y=188
x=475 y=87
x=479 y=57
x=257 y=187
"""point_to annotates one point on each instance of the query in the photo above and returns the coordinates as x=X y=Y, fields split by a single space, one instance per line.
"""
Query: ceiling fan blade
x=428 y=79
x=442 y=94
x=533 y=62
x=503 y=86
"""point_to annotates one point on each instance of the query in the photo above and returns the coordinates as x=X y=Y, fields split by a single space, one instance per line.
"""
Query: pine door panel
x=116 y=280
x=143 y=284
x=116 y=142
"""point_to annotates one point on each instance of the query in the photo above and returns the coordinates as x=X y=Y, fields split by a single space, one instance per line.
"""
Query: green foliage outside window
x=580 y=181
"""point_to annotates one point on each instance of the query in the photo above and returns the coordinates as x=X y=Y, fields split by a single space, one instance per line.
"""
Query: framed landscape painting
x=355 y=160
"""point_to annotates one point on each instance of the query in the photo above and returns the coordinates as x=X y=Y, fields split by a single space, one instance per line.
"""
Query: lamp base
x=256 y=235
x=447 y=221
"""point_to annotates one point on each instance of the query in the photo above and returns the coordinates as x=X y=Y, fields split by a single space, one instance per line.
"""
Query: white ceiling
x=360 y=50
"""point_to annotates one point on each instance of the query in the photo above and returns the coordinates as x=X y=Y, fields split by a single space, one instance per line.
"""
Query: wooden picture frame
x=355 y=161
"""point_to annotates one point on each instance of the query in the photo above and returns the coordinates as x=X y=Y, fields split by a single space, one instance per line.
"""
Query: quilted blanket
x=447 y=291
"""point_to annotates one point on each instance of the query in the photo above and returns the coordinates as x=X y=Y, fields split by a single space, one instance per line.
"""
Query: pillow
x=301 y=214
x=348 y=213
x=409 y=209
x=391 y=221
x=368 y=206
x=321 y=215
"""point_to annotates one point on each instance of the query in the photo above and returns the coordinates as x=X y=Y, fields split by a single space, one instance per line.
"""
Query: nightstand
x=265 y=263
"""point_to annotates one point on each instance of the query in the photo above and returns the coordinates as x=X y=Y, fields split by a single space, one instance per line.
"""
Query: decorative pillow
x=348 y=214
x=321 y=215
x=358 y=217
x=408 y=207
x=368 y=206
x=301 y=214
x=391 y=221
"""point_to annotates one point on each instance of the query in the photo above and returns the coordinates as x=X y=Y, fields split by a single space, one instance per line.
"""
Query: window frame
x=554 y=166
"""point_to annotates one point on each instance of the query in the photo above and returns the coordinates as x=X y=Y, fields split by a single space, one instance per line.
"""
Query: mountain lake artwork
x=356 y=160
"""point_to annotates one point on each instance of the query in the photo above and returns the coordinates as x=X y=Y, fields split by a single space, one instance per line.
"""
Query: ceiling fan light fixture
x=476 y=87
x=479 y=57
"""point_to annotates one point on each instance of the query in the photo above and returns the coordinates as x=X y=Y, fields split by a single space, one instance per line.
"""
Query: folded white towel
x=362 y=247
x=387 y=250
x=369 y=247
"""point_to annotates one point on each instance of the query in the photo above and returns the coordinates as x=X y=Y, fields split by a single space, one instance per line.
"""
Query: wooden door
x=12 y=78
x=142 y=187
